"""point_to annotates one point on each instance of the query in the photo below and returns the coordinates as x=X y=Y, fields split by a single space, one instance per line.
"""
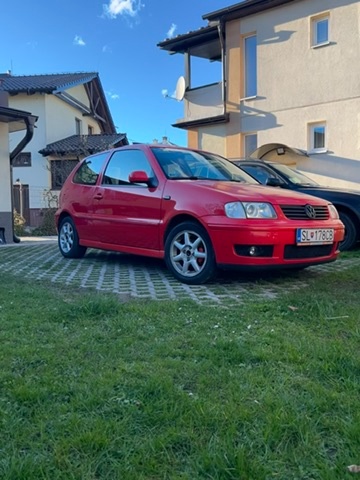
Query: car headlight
x=249 y=210
x=333 y=211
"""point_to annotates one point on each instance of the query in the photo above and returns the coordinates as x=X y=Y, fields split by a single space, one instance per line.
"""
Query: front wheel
x=351 y=233
x=69 y=240
x=189 y=254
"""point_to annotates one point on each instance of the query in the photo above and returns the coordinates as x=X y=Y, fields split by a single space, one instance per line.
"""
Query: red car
x=195 y=209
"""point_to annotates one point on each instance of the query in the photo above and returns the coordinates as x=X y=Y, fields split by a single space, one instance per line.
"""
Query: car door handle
x=98 y=196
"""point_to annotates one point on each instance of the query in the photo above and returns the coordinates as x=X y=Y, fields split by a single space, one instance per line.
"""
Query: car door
x=126 y=213
x=81 y=195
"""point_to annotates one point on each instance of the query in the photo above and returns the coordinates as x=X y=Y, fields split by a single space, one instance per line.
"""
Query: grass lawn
x=92 y=388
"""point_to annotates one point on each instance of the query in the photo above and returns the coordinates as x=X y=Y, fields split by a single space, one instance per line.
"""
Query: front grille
x=298 y=212
x=293 y=251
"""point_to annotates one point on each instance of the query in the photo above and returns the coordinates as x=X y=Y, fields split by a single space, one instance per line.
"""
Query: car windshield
x=294 y=176
x=179 y=164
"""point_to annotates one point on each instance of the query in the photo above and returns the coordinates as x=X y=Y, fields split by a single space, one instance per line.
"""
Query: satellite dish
x=180 y=89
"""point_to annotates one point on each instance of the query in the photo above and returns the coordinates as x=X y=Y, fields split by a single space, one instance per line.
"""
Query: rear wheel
x=189 y=254
x=351 y=235
x=68 y=240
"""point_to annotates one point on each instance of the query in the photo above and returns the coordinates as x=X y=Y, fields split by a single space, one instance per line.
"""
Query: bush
x=19 y=224
x=48 y=226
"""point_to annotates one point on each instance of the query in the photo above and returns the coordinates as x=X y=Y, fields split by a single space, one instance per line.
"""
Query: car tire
x=68 y=240
x=189 y=254
x=351 y=234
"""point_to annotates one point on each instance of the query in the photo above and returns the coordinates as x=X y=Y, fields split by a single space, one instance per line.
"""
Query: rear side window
x=89 y=170
x=124 y=162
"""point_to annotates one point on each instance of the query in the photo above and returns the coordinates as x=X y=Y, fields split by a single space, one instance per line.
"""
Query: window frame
x=314 y=22
x=311 y=137
x=249 y=92
x=22 y=159
x=78 y=126
x=245 y=136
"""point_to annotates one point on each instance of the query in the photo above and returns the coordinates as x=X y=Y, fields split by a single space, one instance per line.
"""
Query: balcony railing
x=202 y=103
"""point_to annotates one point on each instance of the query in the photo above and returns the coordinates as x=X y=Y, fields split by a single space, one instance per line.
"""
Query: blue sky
x=116 y=38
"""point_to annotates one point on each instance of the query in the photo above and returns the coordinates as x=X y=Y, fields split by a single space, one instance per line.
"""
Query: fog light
x=252 y=251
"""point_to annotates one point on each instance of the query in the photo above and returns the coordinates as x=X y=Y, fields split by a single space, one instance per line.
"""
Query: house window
x=317 y=138
x=250 y=144
x=320 y=31
x=77 y=126
x=90 y=130
x=250 y=66
x=23 y=159
x=60 y=170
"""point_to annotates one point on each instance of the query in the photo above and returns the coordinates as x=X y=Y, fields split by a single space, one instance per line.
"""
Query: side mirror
x=139 y=176
x=274 y=182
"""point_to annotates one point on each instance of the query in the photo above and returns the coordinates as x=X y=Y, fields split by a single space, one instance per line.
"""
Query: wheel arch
x=354 y=217
x=61 y=218
x=183 y=217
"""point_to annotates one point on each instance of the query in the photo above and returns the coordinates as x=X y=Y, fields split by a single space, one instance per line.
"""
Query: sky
x=118 y=39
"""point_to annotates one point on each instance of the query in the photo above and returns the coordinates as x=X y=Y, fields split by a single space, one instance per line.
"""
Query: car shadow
x=223 y=277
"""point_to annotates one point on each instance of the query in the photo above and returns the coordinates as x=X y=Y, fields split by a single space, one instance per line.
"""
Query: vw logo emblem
x=310 y=211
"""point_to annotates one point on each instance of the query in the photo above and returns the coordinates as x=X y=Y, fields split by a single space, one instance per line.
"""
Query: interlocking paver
x=146 y=278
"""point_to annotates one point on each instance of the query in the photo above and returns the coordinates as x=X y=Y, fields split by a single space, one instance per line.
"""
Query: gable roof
x=57 y=84
x=49 y=83
x=84 y=144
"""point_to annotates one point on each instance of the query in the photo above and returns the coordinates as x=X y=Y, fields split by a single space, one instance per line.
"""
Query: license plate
x=314 y=236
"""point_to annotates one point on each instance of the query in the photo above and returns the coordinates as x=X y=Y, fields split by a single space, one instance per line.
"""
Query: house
x=74 y=121
x=11 y=120
x=287 y=76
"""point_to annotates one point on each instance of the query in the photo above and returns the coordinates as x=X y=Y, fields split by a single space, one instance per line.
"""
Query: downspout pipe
x=30 y=126
x=221 y=32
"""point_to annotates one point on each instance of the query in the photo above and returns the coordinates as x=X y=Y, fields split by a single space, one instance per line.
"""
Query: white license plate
x=314 y=236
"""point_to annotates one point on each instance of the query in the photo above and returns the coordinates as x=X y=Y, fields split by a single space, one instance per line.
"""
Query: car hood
x=329 y=190
x=233 y=191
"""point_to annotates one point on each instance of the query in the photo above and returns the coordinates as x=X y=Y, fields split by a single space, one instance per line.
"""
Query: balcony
x=203 y=105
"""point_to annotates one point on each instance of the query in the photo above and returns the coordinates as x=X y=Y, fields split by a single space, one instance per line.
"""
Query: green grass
x=92 y=388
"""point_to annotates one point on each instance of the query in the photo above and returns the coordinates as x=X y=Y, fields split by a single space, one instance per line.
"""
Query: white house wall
x=56 y=121
x=36 y=176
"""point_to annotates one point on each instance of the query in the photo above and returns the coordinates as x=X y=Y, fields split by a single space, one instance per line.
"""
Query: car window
x=122 y=163
x=295 y=176
x=180 y=164
x=89 y=170
x=262 y=174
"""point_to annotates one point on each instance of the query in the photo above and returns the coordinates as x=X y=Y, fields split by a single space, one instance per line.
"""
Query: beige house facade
x=74 y=120
x=289 y=74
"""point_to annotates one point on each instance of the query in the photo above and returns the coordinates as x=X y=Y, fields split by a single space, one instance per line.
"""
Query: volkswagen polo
x=194 y=209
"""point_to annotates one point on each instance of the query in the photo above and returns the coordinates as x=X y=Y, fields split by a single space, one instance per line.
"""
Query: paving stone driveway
x=144 y=278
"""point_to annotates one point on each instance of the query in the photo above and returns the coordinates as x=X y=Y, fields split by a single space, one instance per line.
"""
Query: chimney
x=165 y=140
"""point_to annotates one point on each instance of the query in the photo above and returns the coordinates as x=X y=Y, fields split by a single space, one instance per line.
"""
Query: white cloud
x=113 y=96
x=122 y=7
x=171 y=31
x=79 y=41
x=106 y=49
